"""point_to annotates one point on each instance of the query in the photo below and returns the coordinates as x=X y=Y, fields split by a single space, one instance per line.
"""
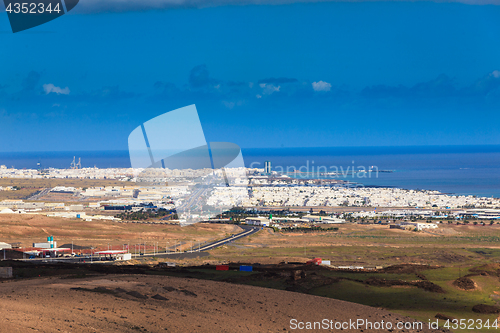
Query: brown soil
x=121 y=303
x=483 y=308
x=490 y=267
x=443 y=317
x=426 y=285
x=30 y=228
x=464 y=283
x=486 y=270
x=407 y=268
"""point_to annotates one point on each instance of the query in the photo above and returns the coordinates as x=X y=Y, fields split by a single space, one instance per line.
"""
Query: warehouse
x=260 y=221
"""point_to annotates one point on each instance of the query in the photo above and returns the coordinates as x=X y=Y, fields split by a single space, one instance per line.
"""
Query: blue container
x=244 y=268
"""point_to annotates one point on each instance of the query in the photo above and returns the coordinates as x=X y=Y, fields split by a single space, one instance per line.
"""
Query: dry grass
x=31 y=186
x=369 y=245
x=28 y=229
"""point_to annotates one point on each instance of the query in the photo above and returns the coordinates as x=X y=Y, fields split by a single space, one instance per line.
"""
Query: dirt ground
x=33 y=228
x=121 y=303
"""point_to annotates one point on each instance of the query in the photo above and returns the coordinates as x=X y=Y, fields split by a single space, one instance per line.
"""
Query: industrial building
x=50 y=244
x=259 y=221
x=322 y=219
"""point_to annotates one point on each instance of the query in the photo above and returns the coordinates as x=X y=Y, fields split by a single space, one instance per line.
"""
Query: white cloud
x=496 y=74
x=321 y=86
x=50 y=88
x=268 y=89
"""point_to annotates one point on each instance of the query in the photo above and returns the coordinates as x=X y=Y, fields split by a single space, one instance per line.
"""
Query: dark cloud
x=110 y=92
x=29 y=82
x=167 y=90
x=161 y=85
x=442 y=86
x=442 y=91
x=279 y=80
x=236 y=84
x=97 y=6
x=486 y=85
x=383 y=91
x=199 y=77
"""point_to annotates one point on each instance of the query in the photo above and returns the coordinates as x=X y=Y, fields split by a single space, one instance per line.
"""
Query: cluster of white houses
x=275 y=221
x=269 y=221
x=414 y=225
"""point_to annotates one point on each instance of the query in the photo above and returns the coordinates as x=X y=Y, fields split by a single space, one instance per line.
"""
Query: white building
x=322 y=219
x=5 y=246
x=260 y=221
x=419 y=226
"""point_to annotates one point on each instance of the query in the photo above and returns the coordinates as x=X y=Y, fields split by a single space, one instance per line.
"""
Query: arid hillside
x=139 y=303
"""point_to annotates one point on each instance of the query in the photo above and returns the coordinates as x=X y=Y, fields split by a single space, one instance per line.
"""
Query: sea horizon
x=460 y=170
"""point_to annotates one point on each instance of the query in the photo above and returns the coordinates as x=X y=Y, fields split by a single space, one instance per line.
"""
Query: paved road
x=43 y=192
x=247 y=231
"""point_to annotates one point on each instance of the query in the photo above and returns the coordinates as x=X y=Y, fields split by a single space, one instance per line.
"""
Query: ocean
x=461 y=170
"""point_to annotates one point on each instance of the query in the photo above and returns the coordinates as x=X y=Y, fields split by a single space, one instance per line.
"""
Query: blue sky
x=288 y=75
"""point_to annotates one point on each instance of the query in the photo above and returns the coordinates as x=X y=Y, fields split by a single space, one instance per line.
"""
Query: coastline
x=458 y=170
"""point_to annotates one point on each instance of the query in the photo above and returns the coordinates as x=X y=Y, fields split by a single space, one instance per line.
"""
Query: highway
x=37 y=196
x=248 y=230
x=193 y=200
